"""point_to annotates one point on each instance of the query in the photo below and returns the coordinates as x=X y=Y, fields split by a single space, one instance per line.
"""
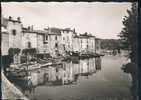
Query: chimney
x=10 y=18
x=19 y=19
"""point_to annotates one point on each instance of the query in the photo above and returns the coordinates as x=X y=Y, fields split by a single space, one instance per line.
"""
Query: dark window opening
x=56 y=45
x=46 y=37
x=29 y=45
x=14 y=32
x=55 y=37
x=63 y=38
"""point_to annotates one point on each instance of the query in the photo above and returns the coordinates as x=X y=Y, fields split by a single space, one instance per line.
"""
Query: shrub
x=13 y=51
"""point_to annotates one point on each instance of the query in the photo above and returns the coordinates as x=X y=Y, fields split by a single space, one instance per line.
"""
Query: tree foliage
x=13 y=51
x=128 y=34
x=31 y=51
x=110 y=44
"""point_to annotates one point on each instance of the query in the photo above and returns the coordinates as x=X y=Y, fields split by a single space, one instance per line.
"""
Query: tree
x=14 y=53
x=29 y=52
x=128 y=34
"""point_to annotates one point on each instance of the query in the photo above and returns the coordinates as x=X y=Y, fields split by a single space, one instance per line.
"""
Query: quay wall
x=9 y=91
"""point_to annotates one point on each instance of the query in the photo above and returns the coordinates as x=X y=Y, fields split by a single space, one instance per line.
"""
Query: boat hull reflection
x=66 y=73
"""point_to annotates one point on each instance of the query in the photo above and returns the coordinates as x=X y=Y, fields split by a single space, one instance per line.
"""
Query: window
x=14 y=32
x=56 y=45
x=29 y=45
x=55 y=37
x=63 y=38
x=46 y=37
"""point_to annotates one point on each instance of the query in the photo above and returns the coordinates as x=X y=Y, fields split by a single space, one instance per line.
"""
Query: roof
x=84 y=36
x=14 y=21
x=54 y=31
x=67 y=29
x=5 y=21
x=25 y=30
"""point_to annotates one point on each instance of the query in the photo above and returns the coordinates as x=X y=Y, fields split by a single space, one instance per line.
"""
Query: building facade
x=14 y=28
x=12 y=37
x=84 y=43
x=91 y=44
x=35 y=39
x=76 y=43
x=98 y=45
x=54 y=41
x=4 y=41
x=67 y=39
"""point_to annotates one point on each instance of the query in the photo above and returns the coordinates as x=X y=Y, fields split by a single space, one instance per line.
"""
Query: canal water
x=87 y=79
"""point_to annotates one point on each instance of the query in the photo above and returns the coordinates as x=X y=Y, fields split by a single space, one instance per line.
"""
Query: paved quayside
x=9 y=91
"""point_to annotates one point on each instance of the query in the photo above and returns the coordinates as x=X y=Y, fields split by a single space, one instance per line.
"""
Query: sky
x=103 y=20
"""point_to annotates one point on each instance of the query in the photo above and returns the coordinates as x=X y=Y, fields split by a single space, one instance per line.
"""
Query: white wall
x=29 y=37
x=40 y=44
x=15 y=41
x=51 y=44
x=67 y=39
x=4 y=43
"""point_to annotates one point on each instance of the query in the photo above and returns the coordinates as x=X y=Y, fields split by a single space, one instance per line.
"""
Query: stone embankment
x=9 y=91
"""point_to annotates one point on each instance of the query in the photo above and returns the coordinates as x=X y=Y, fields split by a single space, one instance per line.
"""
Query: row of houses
x=66 y=73
x=51 y=40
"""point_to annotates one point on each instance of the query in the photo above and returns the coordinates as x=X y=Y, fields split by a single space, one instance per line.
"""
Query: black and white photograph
x=69 y=51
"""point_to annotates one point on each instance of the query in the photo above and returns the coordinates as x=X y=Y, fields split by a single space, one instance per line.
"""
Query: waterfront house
x=84 y=43
x=5 y=41
x=35 y=39
x=4 y=38
x=12 y=38
x=67 y=39
x=98 y=45
x=91 y=44
x=76 y=44
x=4 y=47
x=14 y=28
x=54 y=41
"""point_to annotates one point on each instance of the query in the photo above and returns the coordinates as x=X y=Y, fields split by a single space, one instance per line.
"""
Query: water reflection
x=67 y=73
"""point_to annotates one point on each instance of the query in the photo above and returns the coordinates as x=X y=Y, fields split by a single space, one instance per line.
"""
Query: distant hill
x=110 y=44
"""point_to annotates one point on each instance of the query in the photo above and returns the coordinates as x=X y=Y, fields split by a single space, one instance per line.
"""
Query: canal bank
x=72 y=81
x=9 y=91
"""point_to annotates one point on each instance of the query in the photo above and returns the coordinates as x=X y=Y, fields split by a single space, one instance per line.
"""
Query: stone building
x=84 y=43
x=83 y=38
x=29 y=38
x=67 y=39
x=35 y=39
x=14 y=28
x=54 y=41
x=91 y=44
x=76 y=43
x=12 y=37
x=4 y=37
x=98 y=45
x=4 y=41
